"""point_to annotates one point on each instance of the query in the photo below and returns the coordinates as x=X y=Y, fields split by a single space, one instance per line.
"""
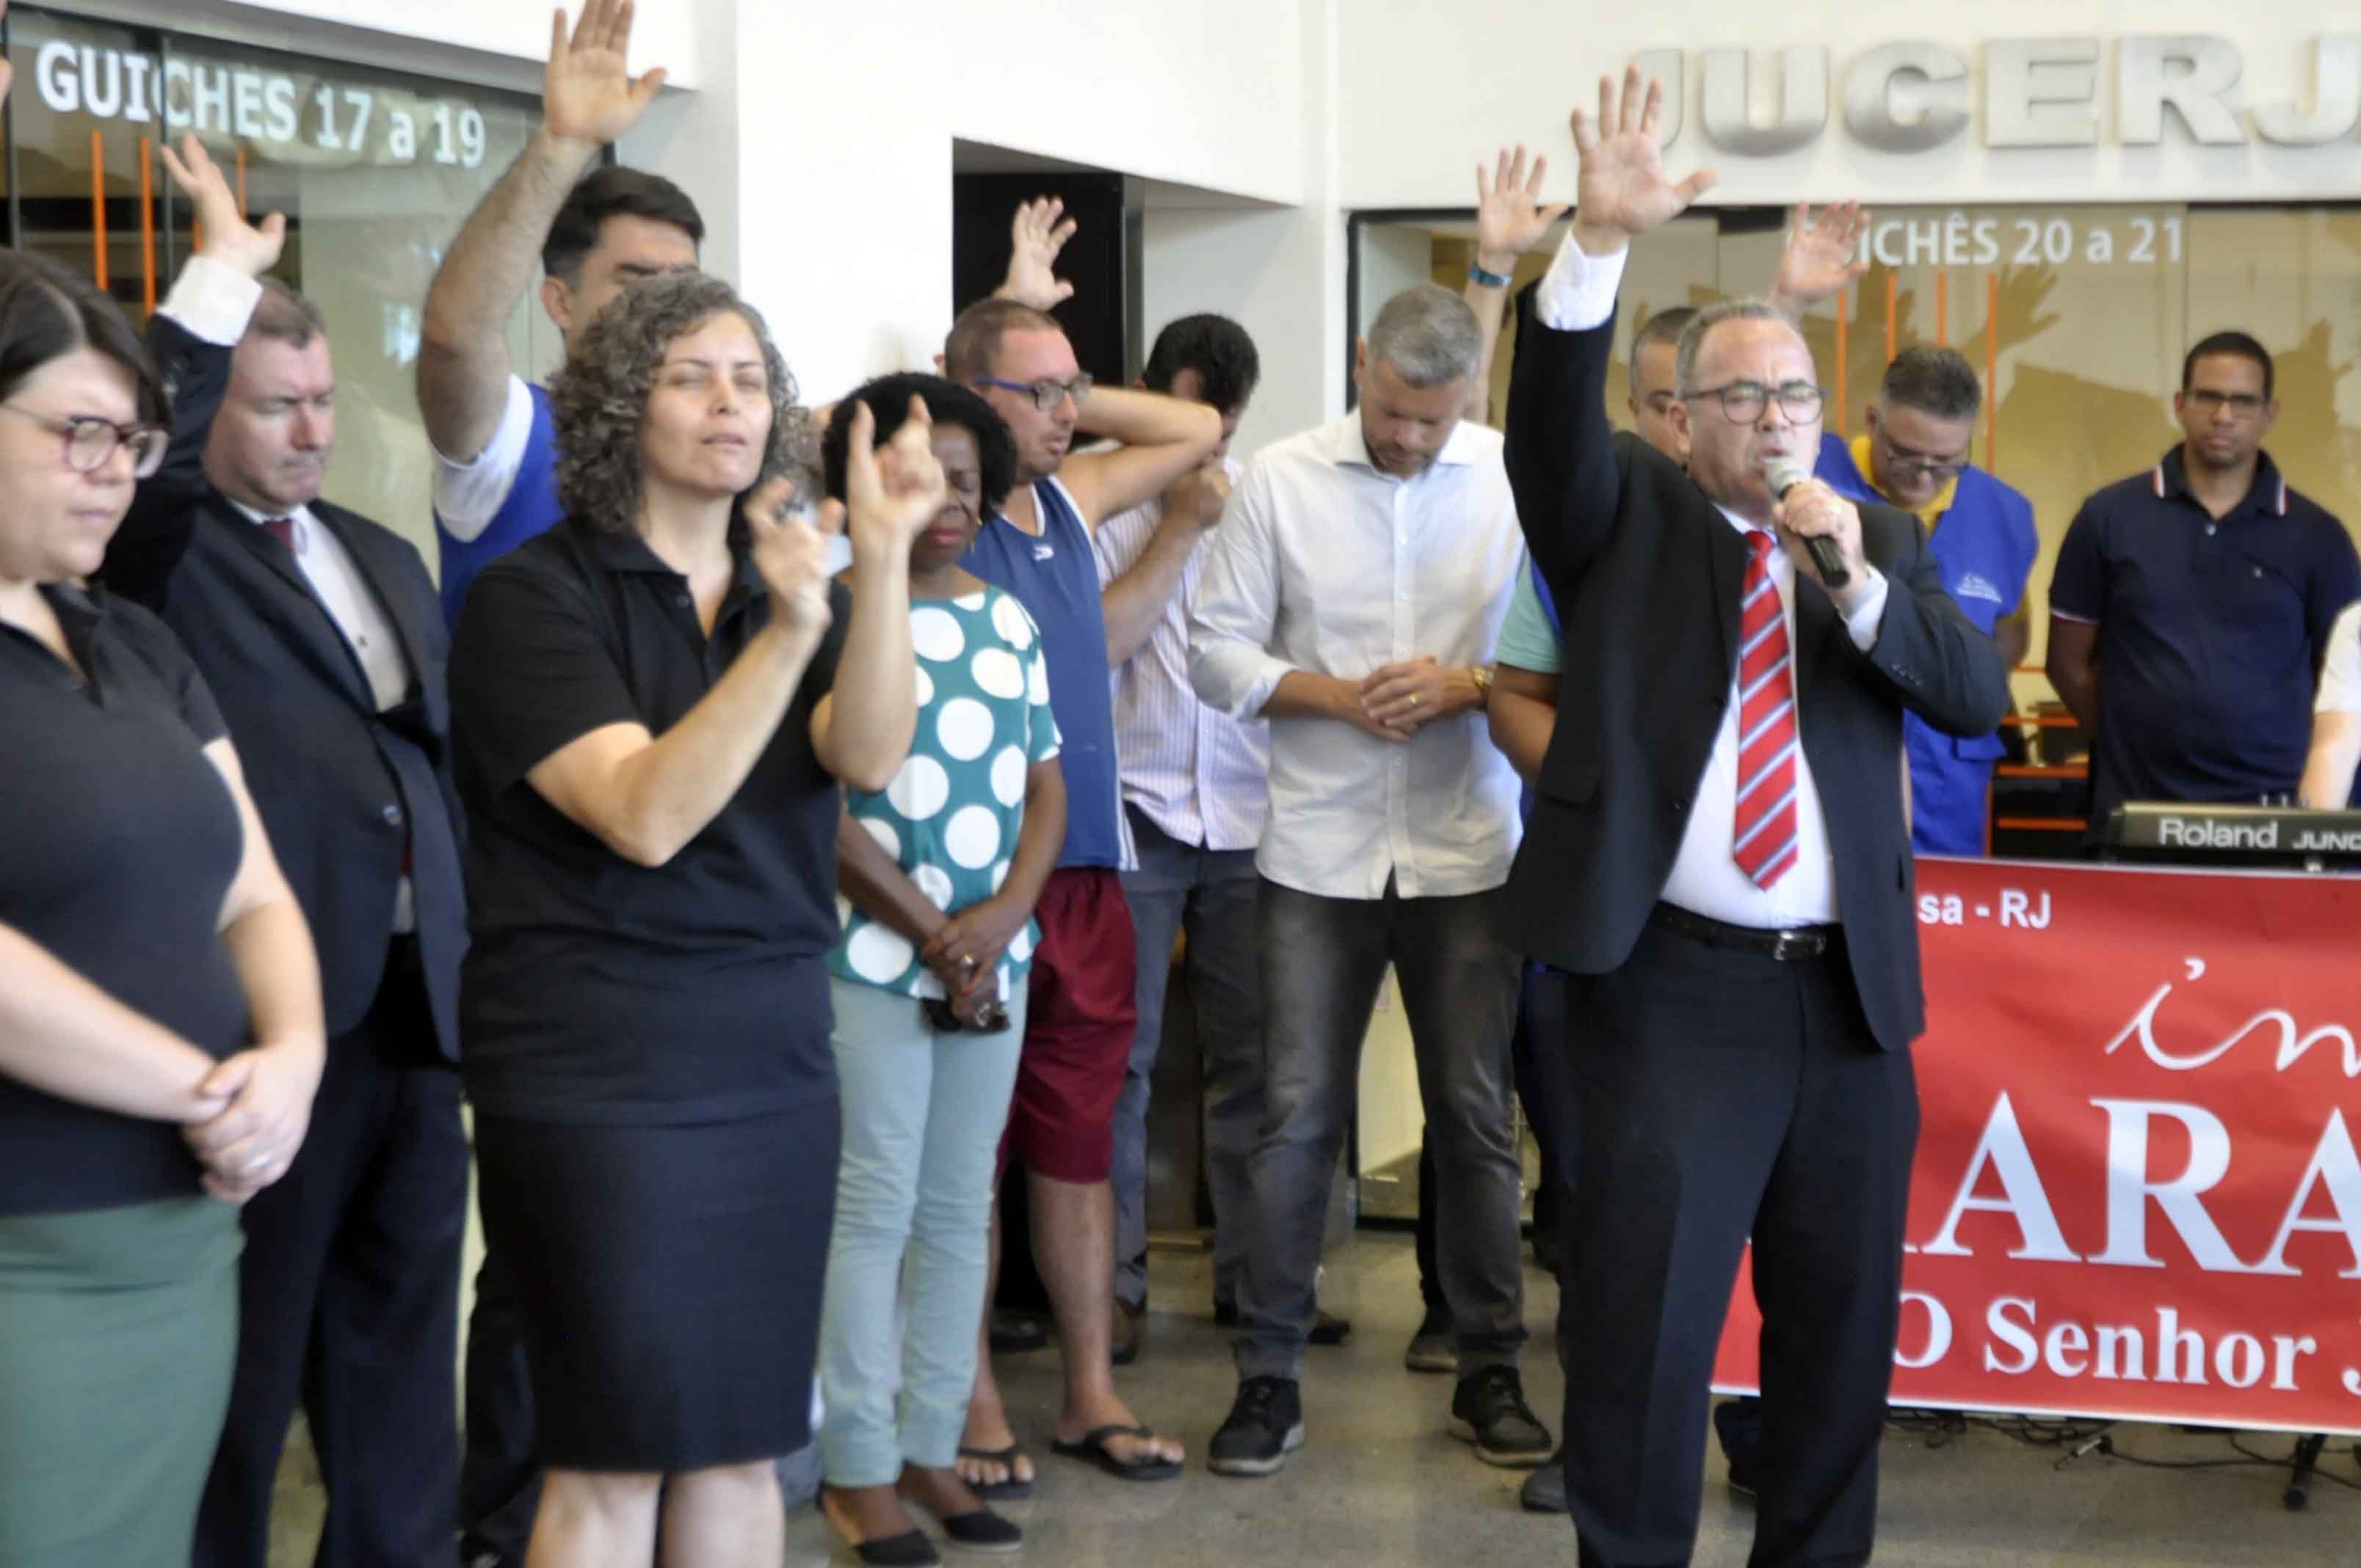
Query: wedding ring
x=1413 y=700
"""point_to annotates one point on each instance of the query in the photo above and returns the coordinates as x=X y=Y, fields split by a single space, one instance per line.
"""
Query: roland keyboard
x=2235 y=832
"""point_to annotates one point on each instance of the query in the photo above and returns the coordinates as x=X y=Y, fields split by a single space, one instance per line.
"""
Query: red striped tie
x=1763 y=830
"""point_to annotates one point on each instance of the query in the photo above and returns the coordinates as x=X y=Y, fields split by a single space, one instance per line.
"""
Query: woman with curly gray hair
x=653 y=707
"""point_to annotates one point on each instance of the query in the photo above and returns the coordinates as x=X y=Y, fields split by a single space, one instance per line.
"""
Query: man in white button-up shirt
x=1355 y=589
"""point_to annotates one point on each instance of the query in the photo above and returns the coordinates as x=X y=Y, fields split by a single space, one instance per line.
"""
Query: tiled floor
x=1380 y=1484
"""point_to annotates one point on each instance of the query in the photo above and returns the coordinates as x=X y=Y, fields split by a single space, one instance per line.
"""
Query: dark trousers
x=1323 y=961
x=349 y=1301
x=1719 y=1091
x=1546 y=1089
x=500 y=1480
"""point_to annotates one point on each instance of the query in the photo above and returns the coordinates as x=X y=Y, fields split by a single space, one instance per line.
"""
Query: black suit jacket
x=1646 y=572
x=343 y=791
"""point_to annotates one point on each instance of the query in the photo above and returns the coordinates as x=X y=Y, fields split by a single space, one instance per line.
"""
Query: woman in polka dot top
x=940 y=873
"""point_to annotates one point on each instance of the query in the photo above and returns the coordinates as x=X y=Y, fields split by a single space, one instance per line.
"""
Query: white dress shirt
x=1578 y=293
x=1200 y=775
x=214 y=302
x=1326 y=564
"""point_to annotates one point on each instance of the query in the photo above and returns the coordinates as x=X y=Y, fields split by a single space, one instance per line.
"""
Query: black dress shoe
x=911 y=1548
x=982 y=1530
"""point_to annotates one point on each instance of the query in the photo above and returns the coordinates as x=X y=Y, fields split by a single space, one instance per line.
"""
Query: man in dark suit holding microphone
x=1720 y=857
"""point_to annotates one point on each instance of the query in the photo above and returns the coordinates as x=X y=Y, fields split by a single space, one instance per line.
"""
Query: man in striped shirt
x=1195 y=790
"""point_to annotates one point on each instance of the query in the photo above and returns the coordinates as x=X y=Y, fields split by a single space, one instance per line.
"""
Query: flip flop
x=1007 y=1491
x=1092 y=1450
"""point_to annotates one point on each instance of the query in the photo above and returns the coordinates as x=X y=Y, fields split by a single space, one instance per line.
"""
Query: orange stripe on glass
x=147 y=227
x=98 y=210
x=1892 y=305
x=1991 y=370
x=1943 y=307
x=1842 y=345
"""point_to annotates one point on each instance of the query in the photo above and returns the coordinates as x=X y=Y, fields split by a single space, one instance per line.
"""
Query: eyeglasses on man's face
x=1900 y=460
x=1742 y=402
x=2241 y=405
x=1046 y=394
x=89 y=441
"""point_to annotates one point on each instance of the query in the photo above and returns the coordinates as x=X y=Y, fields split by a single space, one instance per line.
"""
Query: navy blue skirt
x=670 y=1279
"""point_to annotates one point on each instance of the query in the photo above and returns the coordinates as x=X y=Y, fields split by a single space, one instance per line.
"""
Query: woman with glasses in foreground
x=941 y=870
x=161 y=1033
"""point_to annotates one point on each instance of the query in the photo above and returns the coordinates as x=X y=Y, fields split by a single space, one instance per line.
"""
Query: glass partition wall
x=374 y=169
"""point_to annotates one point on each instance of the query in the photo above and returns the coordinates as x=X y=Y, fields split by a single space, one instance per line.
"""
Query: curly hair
x=947 y=403
x=601 y=394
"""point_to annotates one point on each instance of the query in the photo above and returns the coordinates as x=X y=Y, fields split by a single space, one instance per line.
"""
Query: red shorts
x=1080 y=1016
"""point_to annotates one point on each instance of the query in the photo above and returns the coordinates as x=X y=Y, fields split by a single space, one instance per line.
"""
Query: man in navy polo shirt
x=2192 y=604
x=1912 y=453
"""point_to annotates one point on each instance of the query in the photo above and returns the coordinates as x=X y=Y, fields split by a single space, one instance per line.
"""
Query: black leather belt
x=1787 y=945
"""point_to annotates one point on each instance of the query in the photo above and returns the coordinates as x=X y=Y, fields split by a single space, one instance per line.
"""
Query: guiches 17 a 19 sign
x=2137 y=1190
x=1914 y=94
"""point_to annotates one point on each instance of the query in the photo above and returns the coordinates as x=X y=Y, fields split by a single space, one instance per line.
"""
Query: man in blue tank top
x=493 y=436
x=1082 y=1012
x=495 y=465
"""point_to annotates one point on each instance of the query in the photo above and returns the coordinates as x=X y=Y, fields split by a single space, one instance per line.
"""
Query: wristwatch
x=1483 y=673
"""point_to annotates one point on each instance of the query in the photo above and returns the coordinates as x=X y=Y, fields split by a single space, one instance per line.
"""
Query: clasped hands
x=252 y=1112
x=1394 y=701
x=965 y=952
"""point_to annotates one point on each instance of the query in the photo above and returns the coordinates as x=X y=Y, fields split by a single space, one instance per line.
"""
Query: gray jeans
x=1323 y=960
x=1210 y=893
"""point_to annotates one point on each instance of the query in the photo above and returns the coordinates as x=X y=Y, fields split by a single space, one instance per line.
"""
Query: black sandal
x=1092 y=1450
x=1008 y=1491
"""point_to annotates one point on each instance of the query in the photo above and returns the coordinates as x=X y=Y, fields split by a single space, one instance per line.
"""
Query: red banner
x=2137 y=1192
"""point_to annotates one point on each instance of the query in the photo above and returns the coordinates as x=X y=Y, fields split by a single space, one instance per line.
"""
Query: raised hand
x=1622 y=190
x=1822 y=255
x=1510 y=217
x=892 y=493
x=252 y=248
x=791 y=553
x=588 y=92
x=1035 y=238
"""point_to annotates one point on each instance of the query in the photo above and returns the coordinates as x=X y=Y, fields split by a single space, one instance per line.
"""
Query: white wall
x=846 y=117
x=1430 y=84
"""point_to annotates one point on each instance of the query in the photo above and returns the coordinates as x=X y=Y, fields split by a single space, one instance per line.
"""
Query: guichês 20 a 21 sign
x=2137 y=1192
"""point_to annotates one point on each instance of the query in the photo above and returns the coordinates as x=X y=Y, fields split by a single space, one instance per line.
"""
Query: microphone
x=1783 y=474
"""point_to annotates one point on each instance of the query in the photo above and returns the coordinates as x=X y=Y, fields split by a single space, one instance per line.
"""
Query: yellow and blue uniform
x=1980 y=533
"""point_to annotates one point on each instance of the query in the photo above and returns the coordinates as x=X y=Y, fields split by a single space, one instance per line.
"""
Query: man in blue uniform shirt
x=1914 y=454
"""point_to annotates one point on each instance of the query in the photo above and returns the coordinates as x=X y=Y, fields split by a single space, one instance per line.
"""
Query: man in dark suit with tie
x=1720 y=859
x=319 y=635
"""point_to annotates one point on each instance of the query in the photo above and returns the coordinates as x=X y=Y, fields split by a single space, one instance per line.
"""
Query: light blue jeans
x=923 y=1116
